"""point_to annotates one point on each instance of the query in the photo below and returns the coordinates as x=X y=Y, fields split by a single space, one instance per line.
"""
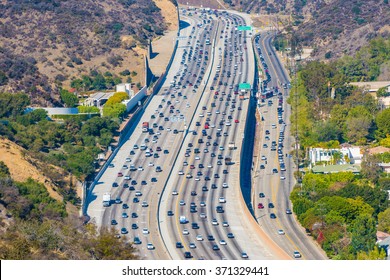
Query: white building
x=353 y=154
x=125 y=87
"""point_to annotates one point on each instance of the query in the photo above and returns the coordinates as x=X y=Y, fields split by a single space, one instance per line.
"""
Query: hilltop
x=332 y=27
x=46 y=44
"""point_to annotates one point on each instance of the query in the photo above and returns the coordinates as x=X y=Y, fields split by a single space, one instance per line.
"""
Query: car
x=125 y=206
x=111 y=165
x=202 y=204
x=261 y=195
x=186 y=232
x=225 y=185
x=140 y=168
x=182 y=202
x=124 y=231
x=179 y=245
x=296 y=254
x=210 y=238
x=280 y=232
x=114 y=222
x=153 y=179
x=214 y=222
x=138 y=193
x=118 y=200
x=288 y=211
x=282 y=178
x=134 y=226
x=262 y=166
x=225 y=224
x=244 y=255
x=215 y=247
x=272 y=216
x=204 y=189
x=187 y=255
x=260 y=206
x=265 y=145
x=263 y=158
x=230 y=235
x=144 y=204
x=236 y=121
x=193 y=193
x=120 y=174
x=134 y=215
x=271 y=205
x=145 y=231
x=150 y=246
x=275 y=170
x=192 y=245
x=124 y=215
x=222 y=200
x=199 y=237
x=175 y=192
x=170 y=213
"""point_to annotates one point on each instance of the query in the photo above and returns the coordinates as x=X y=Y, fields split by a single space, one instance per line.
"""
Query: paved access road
x=276 y=186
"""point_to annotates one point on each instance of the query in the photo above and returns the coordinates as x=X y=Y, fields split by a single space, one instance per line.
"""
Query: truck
x=228 y=160
x=183 y=219
x=232 y=146
x=106 y=199
x=145 y=127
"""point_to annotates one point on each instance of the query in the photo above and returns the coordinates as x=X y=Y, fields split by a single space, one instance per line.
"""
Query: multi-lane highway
x=275 y=169
x=175 y=182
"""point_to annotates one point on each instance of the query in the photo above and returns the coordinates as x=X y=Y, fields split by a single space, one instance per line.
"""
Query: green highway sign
x=244 y=28
x=244 y=86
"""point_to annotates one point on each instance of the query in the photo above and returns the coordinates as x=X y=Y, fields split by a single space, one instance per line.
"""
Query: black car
x=272 y=216
x=170 y=213
x=204 y=189
x=215 y=247
x=210 y=238
x=179 y=245
x=195 y=225
x=261 y=195
x=134 y=215
x=134 y=226
x=114 y=222
x=187 y=255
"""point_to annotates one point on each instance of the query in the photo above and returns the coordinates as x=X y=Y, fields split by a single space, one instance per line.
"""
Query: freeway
x=202 y=188
x=274 y=173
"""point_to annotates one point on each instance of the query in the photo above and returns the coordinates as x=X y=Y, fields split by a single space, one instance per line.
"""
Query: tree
x=4 y=171
x=69 y=99
x=118 y=97
x=382 y=92
x=363 y=233
x=370 y=168
x=374 y=254
x=12 y=105
x=384 y=221
x=116 y=110
x=383 y=122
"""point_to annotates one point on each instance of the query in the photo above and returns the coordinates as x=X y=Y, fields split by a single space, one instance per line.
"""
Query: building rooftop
x=336 y=168
x=372 y=86
x=378 y=150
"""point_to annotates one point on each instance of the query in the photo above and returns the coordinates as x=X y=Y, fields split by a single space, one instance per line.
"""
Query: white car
x=225 y=185
x=280 y=232
x=168 y=129
x=127 y=177
x=221 y=148
x=282 y=178
x=144 y=204
x=210 y=165
x=199 y=237
x=263 y=158
x=203 y=215
x=186 y=232
x=140 y=168
x=197 y=158
x=273 y=125
x=192 y=245
x=202 y=204
x=145 y=231
x=222 y=200
x=128 y=159
x=182 y=203
x=175 y=193
x=297 y=254
x=150 y=164
x=222 y=242
x=181 y=172
x=225 y=224
x=150 y=246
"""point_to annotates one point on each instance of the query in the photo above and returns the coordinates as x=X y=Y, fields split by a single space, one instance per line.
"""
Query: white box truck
x=106 y=199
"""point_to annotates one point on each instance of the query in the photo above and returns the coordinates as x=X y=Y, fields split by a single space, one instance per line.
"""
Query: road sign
x=244 y=86
x=244 y=28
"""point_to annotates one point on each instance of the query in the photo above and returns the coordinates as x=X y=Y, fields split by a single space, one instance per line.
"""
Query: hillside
x=334 y=27
x=47 y=43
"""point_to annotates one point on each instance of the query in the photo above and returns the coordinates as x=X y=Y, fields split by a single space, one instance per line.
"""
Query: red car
x=236 y=121
x=120 y=174
x=192 y=166
x=260 y=206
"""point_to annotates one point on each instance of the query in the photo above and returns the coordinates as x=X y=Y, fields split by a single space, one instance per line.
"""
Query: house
x=373 y=87
x=385 y=244
x=350 y=155
x=125 y=87
x=98 y=99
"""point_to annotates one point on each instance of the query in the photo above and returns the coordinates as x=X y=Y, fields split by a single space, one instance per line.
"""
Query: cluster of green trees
x=341 y=210
x=113 y=107
x=40 y=227
x=96 y=81
x=72 y=145
x=331 y=109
